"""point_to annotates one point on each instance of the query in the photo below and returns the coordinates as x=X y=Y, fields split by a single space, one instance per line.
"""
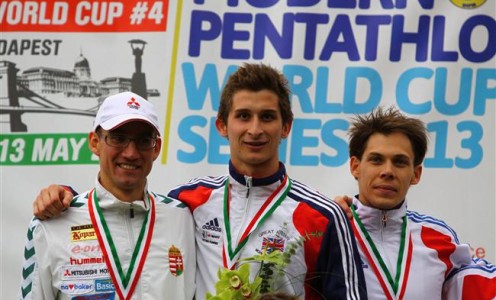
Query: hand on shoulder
x=51 y=201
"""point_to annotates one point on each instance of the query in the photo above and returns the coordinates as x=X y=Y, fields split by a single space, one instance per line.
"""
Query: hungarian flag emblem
x=176 y=263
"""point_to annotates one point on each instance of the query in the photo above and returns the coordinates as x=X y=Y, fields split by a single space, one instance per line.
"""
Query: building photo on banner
x=431 y=60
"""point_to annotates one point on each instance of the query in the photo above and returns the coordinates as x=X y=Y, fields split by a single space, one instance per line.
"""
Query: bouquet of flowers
x=236 y=284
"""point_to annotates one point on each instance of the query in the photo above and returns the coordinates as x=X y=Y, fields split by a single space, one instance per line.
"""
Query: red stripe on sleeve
x=196 y=197
x=441 y=243
x=311 y=225
x=477 y=287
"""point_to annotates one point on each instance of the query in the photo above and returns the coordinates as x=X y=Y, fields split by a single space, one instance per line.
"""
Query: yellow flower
x=235 y=282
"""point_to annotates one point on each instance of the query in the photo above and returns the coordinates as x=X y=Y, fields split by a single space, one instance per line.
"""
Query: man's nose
x=131 y=148
x=387 y=170
x=255 y=126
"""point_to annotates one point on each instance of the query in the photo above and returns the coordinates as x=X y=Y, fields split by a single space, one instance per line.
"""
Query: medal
x=391 y=287
x=124 y=282
x=229 y=253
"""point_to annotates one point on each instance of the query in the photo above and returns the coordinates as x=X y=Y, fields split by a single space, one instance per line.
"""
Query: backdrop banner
x=434 y=60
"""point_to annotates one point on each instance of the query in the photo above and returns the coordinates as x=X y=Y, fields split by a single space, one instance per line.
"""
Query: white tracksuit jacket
x=326 y=266
x=431 y=252
x=64 y=260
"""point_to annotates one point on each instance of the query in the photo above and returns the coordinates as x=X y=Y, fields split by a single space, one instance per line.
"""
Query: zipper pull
x=249 y=184
x=384 y=219
x=131 y=211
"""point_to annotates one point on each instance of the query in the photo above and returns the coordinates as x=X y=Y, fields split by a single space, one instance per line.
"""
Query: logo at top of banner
x=468 y=3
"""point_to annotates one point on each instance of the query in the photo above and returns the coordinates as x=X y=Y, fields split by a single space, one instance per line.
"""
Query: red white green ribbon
x=393 y=288
x=229 y=253
x=124 y=282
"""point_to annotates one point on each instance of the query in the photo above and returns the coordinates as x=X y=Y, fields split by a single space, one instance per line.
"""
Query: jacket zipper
x=384 y=220
x=249 y=184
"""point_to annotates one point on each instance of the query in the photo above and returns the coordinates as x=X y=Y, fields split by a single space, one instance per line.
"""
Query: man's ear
x=221 y=127
x=417 y=173
x=286 y=129
x=355 y=167
x=94 y=143
x=156 y=150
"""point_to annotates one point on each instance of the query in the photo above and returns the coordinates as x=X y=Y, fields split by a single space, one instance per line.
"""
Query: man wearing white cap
x=116 y=241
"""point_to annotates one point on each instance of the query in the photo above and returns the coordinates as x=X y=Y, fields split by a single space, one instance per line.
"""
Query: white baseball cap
x=118 y=109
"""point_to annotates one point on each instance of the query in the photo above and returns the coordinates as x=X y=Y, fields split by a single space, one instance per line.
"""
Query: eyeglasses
x=122 y=141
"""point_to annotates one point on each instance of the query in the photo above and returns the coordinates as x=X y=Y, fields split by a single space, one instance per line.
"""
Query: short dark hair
x=256 y=77
x=386 y=122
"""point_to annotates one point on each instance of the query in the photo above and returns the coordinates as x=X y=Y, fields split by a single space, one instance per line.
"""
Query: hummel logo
x=212 y=225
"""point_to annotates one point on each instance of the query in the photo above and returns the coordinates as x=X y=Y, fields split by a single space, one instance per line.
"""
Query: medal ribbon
x=124 y=283
x=376 y=260
x=263 y=213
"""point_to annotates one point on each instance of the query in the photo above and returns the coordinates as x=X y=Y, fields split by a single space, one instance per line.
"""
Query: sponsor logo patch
x=212 y=225
x=211 y=232
x=69 y=272
x=83 y=233
x=76 y=287
x=468 y=3
x=87 y=260
x=210 y=237
x=176 y=262
x=107 y=296
x=104 y=285
x=84 y=248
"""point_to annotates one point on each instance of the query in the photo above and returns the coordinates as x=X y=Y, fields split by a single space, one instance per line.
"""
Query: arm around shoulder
x=52 y=200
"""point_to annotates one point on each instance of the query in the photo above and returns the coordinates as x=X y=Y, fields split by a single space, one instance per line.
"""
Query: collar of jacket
x=240 y=178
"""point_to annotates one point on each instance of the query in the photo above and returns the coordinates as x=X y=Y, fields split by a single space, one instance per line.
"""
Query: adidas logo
x=212 y=225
